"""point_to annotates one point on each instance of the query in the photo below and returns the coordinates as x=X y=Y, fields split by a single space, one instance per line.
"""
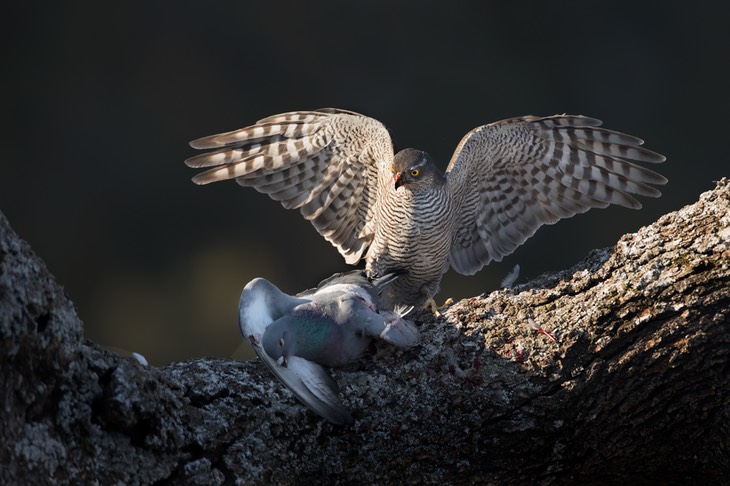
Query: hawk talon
x=431 y=305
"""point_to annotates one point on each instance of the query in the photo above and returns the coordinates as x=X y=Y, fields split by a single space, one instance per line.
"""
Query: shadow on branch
x=636 y=387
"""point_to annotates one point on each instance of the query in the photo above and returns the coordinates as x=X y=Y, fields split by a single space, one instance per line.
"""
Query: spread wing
x=326 y=163
x=510 y=177
x=311 y=384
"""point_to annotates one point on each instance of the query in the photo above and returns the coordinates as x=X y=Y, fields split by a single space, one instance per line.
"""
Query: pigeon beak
x=398 y=181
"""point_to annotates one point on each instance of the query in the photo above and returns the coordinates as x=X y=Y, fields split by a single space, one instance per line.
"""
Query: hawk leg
x=431 y=305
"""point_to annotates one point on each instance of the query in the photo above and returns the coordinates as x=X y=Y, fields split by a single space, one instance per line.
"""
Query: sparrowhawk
x=400 y=213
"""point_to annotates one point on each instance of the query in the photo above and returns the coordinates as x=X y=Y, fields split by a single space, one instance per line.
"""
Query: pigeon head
x=305 y=332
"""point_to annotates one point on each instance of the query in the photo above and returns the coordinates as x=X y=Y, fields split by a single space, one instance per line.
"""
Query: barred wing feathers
x=510 y=177
x=327 y=163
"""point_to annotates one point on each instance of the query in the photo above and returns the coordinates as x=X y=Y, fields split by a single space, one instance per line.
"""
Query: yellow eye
x=415 y=172
x=392 y=169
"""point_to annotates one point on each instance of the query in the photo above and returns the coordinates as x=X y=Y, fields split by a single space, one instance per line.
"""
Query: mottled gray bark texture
x=636 y=389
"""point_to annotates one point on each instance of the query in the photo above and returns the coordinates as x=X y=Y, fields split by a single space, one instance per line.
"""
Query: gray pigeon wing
x=358 y=278
x=312 y=385
x=261 y=303
x=510 y=177
x=354 y=277
x=330 y=164
x=398 y=331
x=389 y=326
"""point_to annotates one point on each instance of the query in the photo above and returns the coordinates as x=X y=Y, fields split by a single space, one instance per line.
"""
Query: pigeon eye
x=415 y=172
x=392 y=169
x=281 y=342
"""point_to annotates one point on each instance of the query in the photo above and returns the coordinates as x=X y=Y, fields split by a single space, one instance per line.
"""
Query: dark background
x=100 y=100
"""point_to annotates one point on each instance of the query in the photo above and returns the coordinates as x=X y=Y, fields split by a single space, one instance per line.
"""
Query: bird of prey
x=331 y=326
x=399 y=212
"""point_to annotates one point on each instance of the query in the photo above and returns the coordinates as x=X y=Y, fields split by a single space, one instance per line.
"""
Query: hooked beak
x=398 y=181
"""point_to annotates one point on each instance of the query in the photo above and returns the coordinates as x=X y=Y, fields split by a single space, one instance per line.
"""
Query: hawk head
x=414 y=169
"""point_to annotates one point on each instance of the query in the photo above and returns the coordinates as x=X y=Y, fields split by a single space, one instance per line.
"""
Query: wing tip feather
x=202 y=143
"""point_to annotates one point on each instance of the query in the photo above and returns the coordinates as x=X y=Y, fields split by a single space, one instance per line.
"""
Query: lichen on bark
x=635 y=387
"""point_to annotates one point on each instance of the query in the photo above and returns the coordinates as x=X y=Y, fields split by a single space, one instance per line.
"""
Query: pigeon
x=331 y=325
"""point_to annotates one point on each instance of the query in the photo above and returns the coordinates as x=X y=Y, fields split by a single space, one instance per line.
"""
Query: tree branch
x=636 y=387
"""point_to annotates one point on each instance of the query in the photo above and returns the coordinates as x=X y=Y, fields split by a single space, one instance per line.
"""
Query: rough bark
x=636 y=389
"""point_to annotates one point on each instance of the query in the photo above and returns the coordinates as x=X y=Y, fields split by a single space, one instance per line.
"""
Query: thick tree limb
x=636 y=388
